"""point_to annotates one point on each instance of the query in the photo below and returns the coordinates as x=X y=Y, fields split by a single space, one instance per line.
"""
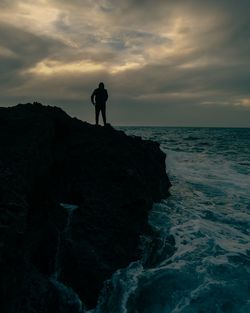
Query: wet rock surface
x=74 y=201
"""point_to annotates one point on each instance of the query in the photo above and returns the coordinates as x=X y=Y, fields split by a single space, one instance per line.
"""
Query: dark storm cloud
x=174 y=61
x=25 y=46
x=19 y=51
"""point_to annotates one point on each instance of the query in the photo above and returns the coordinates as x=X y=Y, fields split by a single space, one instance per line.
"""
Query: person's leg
x=97 y=112
x=103 y=110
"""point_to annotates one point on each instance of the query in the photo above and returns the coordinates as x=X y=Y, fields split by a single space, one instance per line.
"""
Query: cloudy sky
x=164 y=62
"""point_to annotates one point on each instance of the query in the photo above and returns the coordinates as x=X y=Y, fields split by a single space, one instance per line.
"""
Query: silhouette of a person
x=99 y=98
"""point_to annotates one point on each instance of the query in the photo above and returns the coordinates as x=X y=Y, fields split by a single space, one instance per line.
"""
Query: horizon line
x=166 y=126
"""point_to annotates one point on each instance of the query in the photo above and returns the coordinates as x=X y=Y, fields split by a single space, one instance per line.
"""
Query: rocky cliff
x=74 y=201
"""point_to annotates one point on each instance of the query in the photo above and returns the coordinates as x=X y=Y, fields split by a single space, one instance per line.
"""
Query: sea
x=208 y=218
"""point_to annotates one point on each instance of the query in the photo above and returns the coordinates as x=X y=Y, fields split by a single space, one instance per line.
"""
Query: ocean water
x=208 y=215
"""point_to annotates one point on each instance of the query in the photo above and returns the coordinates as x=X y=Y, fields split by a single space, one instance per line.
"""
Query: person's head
x=101 y=85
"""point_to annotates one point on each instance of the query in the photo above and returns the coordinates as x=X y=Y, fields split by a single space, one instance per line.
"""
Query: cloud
x=156 y=57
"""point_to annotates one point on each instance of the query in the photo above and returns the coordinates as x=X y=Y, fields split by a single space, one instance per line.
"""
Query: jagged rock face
x=48 y=158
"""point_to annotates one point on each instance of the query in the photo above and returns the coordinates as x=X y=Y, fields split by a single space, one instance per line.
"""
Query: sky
x=164 y=62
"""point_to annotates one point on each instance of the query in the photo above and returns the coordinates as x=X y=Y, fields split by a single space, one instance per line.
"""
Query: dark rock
x=49 y=160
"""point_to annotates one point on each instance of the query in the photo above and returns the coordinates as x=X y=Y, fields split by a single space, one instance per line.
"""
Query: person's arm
x=106 y=95
x=93 y=98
